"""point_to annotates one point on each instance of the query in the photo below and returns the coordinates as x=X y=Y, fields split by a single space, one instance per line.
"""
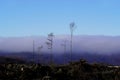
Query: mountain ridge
x=112 y=59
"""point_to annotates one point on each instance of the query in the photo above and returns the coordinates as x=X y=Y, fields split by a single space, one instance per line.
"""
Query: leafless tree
x=50 y=46
x=72 y=28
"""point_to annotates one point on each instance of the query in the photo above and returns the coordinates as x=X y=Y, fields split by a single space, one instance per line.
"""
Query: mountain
x=7 y=60
x=28 y=57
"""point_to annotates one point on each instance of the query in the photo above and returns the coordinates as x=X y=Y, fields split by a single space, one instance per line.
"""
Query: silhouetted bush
x=74 y=71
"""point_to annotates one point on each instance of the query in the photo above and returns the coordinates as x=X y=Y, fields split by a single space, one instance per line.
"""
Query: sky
x=40 y=17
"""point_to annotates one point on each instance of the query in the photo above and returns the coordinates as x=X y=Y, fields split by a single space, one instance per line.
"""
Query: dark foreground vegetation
x=80 y=70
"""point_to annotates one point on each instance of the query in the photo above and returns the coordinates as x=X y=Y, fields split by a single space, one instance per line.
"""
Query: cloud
x=81 y=43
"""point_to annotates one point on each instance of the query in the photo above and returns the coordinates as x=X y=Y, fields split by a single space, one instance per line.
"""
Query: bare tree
x=64 y=46
x=72 y=28
x=50 y=46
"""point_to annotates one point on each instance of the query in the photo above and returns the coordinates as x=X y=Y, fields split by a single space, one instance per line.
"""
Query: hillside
x=7 y=60
x=80 y=70
x=61 y=59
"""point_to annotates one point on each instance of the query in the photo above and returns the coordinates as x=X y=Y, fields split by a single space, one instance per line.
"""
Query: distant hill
x=112 y=59
x=6 y=60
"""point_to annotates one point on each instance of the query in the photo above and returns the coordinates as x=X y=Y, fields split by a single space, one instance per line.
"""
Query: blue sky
x=40 y=17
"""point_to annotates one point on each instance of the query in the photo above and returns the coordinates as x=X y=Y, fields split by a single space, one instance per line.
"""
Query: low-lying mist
x=81 y=43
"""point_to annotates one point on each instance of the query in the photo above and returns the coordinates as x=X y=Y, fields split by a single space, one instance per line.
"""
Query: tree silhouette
x=50 y=46
x=72 y=28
